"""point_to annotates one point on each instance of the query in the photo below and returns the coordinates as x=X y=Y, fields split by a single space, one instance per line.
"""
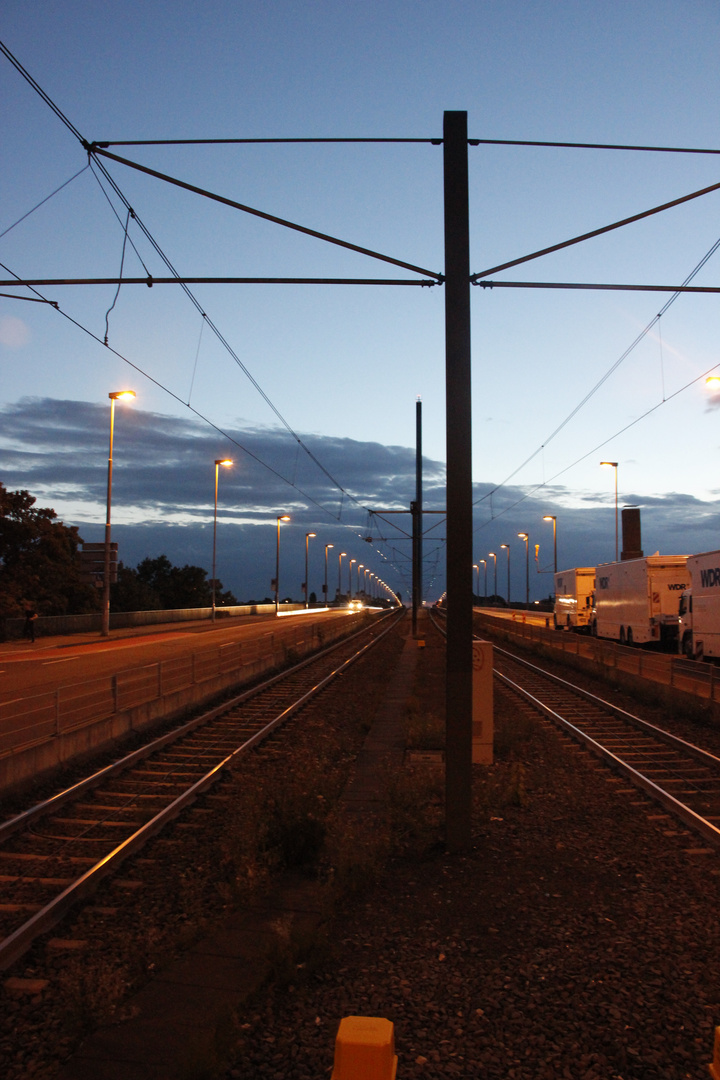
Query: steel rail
x=709 y=831
x=686 y=814
x=55 y=802
x=17 y=943
x=622 y=714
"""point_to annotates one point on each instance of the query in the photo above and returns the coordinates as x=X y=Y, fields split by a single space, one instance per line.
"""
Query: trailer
x=699 y=633
x=574 y=598
x=637 y=600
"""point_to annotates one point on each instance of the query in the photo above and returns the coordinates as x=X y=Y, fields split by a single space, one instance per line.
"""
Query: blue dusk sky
x=311 y=389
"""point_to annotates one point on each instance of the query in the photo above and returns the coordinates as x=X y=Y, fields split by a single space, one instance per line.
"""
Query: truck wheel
x=629 y=635
x=622 y=635
x=687 y=646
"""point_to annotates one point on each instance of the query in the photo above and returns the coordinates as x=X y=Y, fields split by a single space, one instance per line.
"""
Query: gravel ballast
x=578 y=938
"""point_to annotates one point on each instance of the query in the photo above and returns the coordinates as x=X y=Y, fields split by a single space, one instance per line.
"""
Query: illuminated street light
x=307 y=590
x=341 y=556
x=281 y=517
x=117 y=395
x=492 y=555
x=614 y=465
x=524 y=536
x=476 y=568
x=218 y=463
x=350 y=566
x=361 y=566
x=325 y=591
x=507 y=548
x=551 y=517
x=483 y=563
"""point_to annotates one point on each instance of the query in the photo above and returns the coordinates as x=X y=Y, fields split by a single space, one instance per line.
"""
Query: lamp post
x=218 y=463
x=117 y=395
x=341 y=556
x=281 y=517
x=484 y=563
x=350 y=566
x=492 y=555
x=476 y=568
x=325 y=592
x=507 y=548
x=361 y=566
x=551 y=517
x=307 y=590
x=524 y=536
x=614 y=465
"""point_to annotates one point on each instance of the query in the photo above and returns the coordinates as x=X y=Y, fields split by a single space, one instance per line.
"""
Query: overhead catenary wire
x=611 y=370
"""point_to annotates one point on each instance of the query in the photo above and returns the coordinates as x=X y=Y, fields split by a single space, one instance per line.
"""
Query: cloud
x=163 y=497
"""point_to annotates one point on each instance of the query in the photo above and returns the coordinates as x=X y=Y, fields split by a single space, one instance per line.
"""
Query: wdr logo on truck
x=710 y=579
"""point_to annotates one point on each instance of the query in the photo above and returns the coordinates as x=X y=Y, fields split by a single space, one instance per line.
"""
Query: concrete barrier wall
x=42 y=732
x=52 y=625
x=670 y=680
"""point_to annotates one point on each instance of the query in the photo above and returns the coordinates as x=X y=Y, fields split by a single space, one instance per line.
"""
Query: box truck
x=574 y=598
x=638 y=600
x=699 y=633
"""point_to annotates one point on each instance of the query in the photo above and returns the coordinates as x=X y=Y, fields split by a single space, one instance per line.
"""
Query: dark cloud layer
x=163 y=490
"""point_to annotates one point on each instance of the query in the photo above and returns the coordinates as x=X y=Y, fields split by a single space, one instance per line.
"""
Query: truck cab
x=685 y=624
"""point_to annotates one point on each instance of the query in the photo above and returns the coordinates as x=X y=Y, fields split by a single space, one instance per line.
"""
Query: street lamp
x=325 y=592
x=350 y=566
x=307 y=591
x=117 y=395
x=361 y=566
x=281 y=517
x=492 y=555
x=341 y=556
x=614 y=465
x=218 y=463
x=524 y=536
x=484 y=563
x=476 y=568
x=507 y=548
x=551 y=517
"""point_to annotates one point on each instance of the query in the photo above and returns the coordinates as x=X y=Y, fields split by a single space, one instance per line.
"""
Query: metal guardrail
x=691 y=676
x=29 y=721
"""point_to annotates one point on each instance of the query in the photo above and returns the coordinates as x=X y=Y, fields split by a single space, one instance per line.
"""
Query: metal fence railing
x=691 y=676
x=31 y=720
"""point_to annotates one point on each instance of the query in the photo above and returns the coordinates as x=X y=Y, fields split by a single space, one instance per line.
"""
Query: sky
x=311 y=389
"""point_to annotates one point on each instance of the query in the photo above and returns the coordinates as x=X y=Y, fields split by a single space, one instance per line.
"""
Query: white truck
x=637 y=600
x=699 y=634
x=574 y=598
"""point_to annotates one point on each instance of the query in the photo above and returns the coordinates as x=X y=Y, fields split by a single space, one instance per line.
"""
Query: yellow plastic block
x=715 y=1067
x=365 y=1049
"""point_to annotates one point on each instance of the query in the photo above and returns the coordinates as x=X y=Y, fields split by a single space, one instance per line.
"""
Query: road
x=55 y=662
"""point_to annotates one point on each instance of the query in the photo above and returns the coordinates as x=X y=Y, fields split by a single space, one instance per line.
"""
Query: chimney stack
x=631 y=533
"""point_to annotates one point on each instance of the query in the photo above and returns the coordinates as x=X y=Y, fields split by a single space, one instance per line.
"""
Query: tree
x=158 y=585
x=38 y=564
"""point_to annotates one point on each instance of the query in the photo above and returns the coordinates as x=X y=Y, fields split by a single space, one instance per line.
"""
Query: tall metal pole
x=307 y=589
x=507 y=548
x=459 y=669
x=325 y=588
x=417 y=527
x=105 y=628
x=340 y=559
x=217 y=470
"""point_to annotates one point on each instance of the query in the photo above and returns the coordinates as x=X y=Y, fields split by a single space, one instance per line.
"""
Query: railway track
x=682 y=777
x=55 y=854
